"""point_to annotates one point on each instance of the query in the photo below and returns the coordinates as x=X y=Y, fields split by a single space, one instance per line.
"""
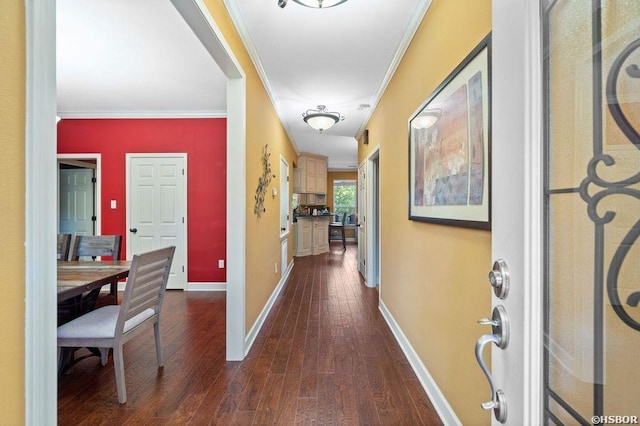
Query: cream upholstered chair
x=113 y=325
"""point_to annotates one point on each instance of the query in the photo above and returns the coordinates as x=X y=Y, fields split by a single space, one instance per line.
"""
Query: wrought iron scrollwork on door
x=620 y=187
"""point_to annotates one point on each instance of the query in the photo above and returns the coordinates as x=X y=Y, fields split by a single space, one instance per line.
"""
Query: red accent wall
x=204 y=141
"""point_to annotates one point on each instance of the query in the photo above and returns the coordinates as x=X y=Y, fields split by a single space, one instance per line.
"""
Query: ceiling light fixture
x=321 y=119
x=319 y=4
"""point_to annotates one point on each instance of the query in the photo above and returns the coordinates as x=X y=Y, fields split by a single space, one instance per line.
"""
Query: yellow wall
x=12 y=256
x=263 y=127
x=433 y=277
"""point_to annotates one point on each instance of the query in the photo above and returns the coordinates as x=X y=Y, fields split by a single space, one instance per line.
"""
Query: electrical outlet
x=275 y=268
x=220 y=263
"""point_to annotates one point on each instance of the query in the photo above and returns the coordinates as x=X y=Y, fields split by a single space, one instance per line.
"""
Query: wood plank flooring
x=324 y=356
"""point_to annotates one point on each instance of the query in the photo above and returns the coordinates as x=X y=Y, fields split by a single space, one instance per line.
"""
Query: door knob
x=134 y=230
x=499 y=278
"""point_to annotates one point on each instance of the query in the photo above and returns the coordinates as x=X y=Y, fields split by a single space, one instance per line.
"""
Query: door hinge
x=182 y=172
x=182 y=268
x=287 y=178
x=94 y=180
x=287 y=217
x=182 y=219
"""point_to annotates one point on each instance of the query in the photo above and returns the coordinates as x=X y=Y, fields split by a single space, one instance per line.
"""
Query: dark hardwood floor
x=324 y=356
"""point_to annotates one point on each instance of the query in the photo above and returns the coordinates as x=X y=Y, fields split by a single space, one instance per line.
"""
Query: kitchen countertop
x=310 y=216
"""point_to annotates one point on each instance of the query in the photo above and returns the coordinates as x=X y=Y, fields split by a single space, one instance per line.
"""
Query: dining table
x=78 y=277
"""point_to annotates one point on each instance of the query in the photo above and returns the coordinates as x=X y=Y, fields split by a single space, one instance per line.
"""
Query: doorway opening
x=79 y=192
x=40 y=245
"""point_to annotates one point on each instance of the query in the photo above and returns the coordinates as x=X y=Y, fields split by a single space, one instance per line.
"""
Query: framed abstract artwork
x=449 y=147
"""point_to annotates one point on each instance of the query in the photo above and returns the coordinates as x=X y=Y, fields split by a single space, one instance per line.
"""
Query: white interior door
x=76 y=205
x=156 y=212
x=362 y=219
x=566 y=211
x=373 y=219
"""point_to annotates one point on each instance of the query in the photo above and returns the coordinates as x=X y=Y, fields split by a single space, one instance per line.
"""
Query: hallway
x=324 y=356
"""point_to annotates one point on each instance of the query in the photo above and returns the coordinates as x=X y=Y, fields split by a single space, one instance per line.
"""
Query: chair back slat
x=64 y=244
x=96 y=245
x=146 y=285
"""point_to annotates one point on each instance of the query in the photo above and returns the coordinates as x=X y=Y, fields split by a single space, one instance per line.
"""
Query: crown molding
x=141 y=114
x=416 y=19
x=241 y=27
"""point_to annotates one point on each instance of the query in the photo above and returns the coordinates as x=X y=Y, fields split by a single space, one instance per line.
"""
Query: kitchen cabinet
x=311 y=235
x=312 y=199
x=310 y=176
x=303 y=237
x=297 y=179
x=320 y=235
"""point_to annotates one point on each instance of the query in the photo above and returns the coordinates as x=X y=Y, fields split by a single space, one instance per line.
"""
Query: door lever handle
x=134 y=230
x=500 y=337
x=488 y=321
x=498 y=401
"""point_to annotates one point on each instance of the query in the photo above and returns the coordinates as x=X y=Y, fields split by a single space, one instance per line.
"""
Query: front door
x=156 y=213
x=566 y=210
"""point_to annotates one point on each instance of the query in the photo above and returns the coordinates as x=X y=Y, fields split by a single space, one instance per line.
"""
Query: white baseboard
x=206 y=287
x=446 y=413
x=190 y=286
x=253 y=333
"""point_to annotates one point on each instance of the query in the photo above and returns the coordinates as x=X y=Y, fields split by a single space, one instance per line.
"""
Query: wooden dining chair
x=336 y=231
x=92 y=246
x=113 y=325
x=64 y=244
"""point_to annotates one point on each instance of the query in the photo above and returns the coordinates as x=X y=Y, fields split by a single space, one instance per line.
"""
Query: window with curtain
x=344 y=199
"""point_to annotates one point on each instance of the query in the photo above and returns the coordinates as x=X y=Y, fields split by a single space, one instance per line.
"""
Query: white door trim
x=40 y=229
x=284 y=195
x=40 y=196
x=517 y=159
x=183 y=156
x=98 y=187
x=197 y=16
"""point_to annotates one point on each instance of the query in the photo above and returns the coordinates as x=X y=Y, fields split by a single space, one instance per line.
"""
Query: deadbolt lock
x=499 y=278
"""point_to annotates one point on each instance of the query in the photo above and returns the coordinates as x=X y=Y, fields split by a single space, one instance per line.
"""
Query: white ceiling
x=123 y=58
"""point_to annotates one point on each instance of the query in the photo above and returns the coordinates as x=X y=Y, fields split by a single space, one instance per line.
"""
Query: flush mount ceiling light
x=319 y=4
x=426 y=119
x=321 y=119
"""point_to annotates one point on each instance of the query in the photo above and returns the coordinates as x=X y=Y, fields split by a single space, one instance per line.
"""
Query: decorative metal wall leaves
x=263 y=182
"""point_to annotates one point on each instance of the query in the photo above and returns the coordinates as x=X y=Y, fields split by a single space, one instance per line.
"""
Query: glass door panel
x=592 y=209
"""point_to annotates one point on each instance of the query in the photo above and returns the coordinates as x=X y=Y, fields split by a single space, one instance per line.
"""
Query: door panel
x=566 y=207
x=157 y=210
x=76 y=205
x=362 y=220
x=592 y=193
